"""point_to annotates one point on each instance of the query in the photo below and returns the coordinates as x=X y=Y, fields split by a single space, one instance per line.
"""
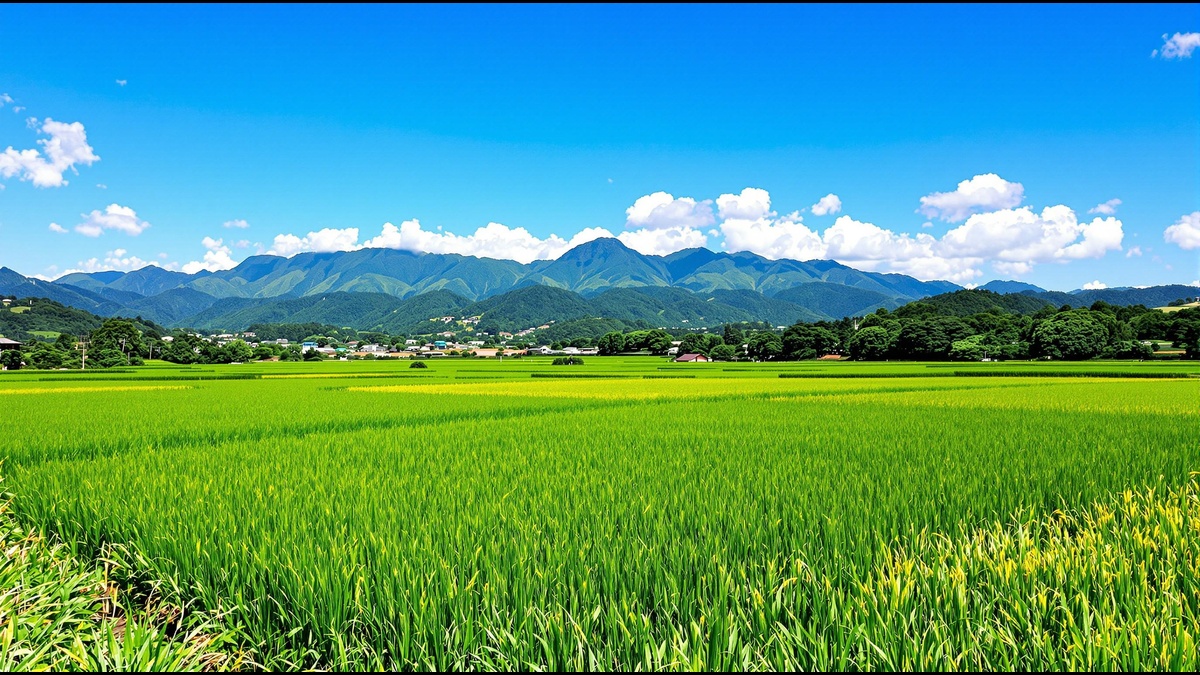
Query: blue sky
x=322 y=128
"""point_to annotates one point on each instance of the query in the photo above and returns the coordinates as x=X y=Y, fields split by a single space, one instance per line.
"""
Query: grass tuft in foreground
x=62 y=614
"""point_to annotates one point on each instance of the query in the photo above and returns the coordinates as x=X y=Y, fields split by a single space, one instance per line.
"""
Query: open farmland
x=633 y=513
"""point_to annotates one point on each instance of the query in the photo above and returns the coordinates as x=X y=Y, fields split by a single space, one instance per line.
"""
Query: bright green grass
x=470 y=515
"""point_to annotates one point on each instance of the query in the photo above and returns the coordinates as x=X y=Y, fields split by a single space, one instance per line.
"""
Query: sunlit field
x=633 y=513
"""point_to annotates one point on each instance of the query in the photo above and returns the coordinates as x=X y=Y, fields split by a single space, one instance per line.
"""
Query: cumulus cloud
x=751 y=204
x=494 y=240
x=1020 y=235
x=1186 y=233
x=827 y=205
x=1095 y=286
x=238 y=223
x=1134 y=252
x=662 y=211
x=1108 y=208
x=785 y=237
x=1177 y=46
x=55 y=227
x=118 y=259
x=64 y=149
x=663 y=242
x=985 y=192
x=122 y=83
x=216 y=258
x=5 y=99
x=114 y=217
x=321 y=241
x=1012 y=240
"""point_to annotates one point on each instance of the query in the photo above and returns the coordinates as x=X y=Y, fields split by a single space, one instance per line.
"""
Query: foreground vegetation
x=634 y=513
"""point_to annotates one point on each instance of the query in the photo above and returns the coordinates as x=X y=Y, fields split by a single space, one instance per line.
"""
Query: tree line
x=923 y=332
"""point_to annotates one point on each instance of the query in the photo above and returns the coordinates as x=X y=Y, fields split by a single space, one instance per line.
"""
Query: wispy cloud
x=1177 y=46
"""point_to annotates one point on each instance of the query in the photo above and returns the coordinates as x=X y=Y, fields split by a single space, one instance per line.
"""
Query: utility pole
x=83 y=341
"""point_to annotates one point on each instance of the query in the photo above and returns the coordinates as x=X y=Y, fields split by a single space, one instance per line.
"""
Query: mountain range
x=394 y=290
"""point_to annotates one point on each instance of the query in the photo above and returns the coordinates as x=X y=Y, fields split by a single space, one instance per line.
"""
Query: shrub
x=417 y=364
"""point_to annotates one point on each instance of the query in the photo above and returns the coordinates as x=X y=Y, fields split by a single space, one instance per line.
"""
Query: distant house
x=692 y=358
x=5 y=343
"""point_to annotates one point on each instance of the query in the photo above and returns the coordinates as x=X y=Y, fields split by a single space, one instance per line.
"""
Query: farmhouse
x=5 y=343
x=692 y=358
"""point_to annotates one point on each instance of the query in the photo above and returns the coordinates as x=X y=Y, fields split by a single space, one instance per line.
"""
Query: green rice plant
x=649 y=521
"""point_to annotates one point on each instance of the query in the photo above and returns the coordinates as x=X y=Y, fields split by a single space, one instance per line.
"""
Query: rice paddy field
x=629 y=513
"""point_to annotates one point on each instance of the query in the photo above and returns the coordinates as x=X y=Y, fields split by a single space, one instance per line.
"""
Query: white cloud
x=828 y=205
x=55 y=227
x=1021 y=236
x=663 y=242
x=491 y=241
x=1012 y=240
x=662 y=211
x=244 y=243
x=118 y=259
x=65 y=148
x=751 y=204
x=1186 y=232
x=5 y=99
x=102 y=186
x=1177 y=46
x=114 y=217
x=782 y=238
x=1134 y=252
x=985 y=192
x=322 y=241
x=216 y=258
x=1095 y=286
x=238 y=223
x=1108 y=208
x=122 y=83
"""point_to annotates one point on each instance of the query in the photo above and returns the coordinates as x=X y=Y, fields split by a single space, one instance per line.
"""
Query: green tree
x=120 y=335
x=930 y=338
x=765 y=346
x=733 y=336
x=699 y=343
x=11 y=359
x=611 y=343
x=1070 y=336
x=969 y=349
x=802 y=341
x=658 y=341
x=106 y=358
x=65 y=342
x=870 y=344
x=723 y=353
x=239 y=351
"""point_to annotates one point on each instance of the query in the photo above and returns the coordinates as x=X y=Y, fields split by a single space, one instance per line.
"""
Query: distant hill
x=978 y=301
x=588 y=269
x=998 y=286
x=604 y=277
x=834 y=301
x=29 y=317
